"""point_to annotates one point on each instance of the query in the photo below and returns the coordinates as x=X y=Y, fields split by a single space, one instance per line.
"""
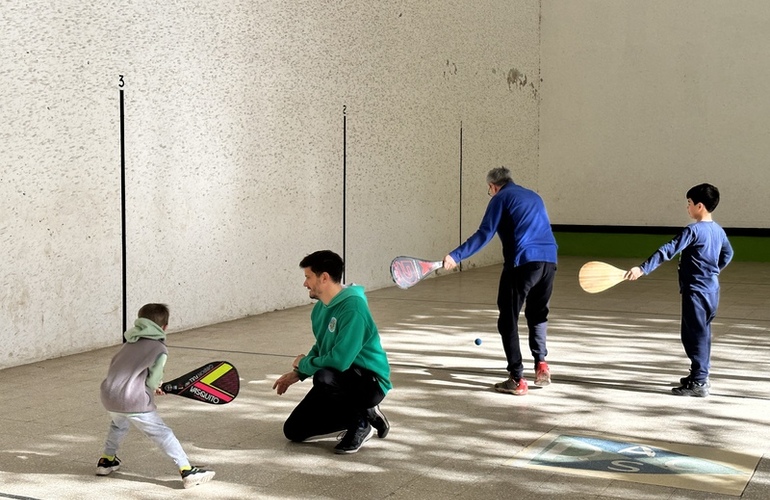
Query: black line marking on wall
x=344 y=187
x=460 y=234
x=123 y=204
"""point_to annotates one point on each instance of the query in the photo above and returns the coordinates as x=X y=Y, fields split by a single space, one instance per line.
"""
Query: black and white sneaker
x=195 y=476
x=354 y=438
x=693 y=389
x=688 y=378
x=105 y=466
x=378 y=421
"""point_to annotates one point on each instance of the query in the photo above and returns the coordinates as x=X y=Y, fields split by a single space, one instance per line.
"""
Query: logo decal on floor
x=665 y=464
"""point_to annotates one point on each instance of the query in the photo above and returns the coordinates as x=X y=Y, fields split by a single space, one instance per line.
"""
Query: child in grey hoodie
x=133 y=379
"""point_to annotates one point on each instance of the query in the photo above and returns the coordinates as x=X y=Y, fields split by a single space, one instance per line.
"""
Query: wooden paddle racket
x=216 y=383
x=408 y=271
x=598 y=276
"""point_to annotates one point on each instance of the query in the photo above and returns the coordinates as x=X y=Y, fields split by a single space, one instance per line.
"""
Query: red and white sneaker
x=542 y=374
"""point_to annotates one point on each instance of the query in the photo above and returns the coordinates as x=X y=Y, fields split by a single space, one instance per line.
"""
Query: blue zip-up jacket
x=705 y=252
x=519 y=217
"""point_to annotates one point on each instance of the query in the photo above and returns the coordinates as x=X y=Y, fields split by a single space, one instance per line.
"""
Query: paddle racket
x=408 y=271
x=598 y=276
x=216 y=383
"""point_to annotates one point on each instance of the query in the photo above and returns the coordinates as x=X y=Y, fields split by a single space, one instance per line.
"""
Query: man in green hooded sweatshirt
x=350 y=369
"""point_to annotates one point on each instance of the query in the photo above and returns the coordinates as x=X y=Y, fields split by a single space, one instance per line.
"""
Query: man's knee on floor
x=293 y=433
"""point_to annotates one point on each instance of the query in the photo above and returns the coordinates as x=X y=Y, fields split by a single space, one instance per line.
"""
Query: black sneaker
x=195 y=476
x=105 y=466
x=691 y=388
x=685 y=380
x=354 y=439
x=378 y=421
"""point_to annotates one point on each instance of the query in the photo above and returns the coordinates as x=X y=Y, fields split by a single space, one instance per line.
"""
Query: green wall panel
x=641 y=246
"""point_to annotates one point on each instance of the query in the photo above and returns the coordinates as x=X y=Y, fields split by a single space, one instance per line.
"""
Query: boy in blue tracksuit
x=519 y=217
x=705 y=252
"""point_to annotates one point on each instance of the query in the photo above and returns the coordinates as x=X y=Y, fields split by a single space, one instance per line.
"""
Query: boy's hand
x=634 y=273
x=159 y=392
x=449 y=263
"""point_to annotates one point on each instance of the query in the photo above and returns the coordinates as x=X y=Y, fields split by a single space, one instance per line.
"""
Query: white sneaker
x=105 y=467
x=195 y=476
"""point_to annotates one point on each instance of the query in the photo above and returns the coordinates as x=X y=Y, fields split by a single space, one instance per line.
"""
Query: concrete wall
x=641 y=100
x=234 y=140
x=234 y=150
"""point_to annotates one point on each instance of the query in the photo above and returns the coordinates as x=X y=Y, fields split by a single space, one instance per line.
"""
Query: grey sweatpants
x=153 y=427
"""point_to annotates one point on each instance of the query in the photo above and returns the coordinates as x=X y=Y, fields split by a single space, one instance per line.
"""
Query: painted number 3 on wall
x=121 y=83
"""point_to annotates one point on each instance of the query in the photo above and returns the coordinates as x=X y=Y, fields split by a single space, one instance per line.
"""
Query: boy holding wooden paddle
x=705 y=252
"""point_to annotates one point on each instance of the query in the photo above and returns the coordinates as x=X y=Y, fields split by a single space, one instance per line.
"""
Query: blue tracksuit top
x=519 y=217
x=705 y=252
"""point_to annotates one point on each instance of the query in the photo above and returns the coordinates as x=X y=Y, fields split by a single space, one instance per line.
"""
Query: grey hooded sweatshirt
x=136 y=370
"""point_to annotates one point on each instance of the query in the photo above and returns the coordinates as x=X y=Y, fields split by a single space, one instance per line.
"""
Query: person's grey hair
x=499 y=176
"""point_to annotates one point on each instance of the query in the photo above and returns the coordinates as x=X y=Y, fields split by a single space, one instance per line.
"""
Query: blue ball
x=478 y=341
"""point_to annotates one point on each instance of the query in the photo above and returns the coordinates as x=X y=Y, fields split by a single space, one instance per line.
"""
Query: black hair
x=324 y=261
x=706 y=194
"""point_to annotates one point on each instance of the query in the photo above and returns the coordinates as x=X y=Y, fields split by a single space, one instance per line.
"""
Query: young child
x=133 y=379
x=705 y=252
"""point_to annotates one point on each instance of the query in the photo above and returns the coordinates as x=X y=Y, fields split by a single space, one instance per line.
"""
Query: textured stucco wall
x=234 y=150
x=643 y=100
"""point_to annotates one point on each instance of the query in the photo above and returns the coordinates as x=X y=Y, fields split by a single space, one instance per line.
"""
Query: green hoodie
x=346 y=335
x=144 y=329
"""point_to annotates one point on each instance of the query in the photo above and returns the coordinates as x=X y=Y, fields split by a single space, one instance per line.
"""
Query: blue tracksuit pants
x=698 y=310
x=529 y=284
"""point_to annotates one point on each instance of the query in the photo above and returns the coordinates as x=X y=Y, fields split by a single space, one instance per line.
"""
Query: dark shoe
x=693 y=389
x=542 y=374
x=195 y=476
x=378 y=421
x=685 y=380
x=513 y=386
x=354 y=439
x=105 y=466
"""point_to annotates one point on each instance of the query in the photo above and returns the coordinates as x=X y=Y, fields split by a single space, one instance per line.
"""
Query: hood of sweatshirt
x=144 y=329
x=348 y=291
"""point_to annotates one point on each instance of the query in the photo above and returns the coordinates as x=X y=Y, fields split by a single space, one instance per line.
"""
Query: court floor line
x=231 y=351
x=17 y=497
x=640 y=387
x=556 y=309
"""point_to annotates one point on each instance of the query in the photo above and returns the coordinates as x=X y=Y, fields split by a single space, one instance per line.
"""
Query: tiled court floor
x=614 y=358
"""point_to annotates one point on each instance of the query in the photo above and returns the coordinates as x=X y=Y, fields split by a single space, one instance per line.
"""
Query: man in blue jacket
x=519 y=217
